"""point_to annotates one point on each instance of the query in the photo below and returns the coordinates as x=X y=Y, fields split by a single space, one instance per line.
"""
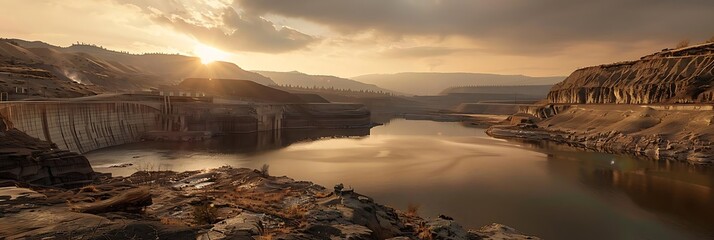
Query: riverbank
x=657 y=132
x=223 y=203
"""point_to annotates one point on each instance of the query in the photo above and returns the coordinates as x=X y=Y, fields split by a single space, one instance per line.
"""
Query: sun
x=209 y=54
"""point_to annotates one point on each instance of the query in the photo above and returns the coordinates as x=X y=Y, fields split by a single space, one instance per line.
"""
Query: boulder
x=31 y=160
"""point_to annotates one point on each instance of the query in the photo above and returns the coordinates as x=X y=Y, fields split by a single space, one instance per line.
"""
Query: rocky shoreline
x=656 y=147
x=223 y=203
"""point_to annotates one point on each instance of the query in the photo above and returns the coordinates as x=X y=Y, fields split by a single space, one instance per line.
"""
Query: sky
x=354 y=37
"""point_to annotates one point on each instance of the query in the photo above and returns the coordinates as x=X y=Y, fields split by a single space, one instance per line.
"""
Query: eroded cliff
x=670 y=76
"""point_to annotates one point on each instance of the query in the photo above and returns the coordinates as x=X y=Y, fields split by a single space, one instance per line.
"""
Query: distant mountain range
x=298 y=79
x=53 y=71
x=111 y=70
x=422 y=83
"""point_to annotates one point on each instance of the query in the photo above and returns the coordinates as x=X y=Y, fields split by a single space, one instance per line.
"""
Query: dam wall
x=327 y=115
x=82 y=126
x=223 y=118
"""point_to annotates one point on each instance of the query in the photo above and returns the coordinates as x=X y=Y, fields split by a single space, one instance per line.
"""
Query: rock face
x=30 y=160
x=671 y=76
x=664 y=132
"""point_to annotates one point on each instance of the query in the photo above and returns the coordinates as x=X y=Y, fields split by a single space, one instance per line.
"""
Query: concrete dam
x=83 y=126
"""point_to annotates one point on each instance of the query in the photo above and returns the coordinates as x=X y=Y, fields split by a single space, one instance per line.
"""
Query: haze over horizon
x=547 y=38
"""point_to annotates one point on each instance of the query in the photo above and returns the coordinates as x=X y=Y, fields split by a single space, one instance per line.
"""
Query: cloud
x=218 y=24
x=421 y=52
x=508 y=26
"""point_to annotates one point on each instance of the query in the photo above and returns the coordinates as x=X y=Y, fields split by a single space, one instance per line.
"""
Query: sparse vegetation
x=204 y=214
x=295 y=212
x=682 y=44
x=172 y=221
x=423 y=231
x=413 y=209
x=265 y=170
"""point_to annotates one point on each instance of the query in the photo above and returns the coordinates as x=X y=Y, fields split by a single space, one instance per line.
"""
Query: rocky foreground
x=224 y=203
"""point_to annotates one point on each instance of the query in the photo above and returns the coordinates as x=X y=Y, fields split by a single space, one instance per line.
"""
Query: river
x=541 y=189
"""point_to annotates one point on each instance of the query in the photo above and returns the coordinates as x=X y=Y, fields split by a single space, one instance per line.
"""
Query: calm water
x=545 y=190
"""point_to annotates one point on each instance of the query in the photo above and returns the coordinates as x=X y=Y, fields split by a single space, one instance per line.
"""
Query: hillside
x=670 y=76
x=86 y=69
x=239 y=89
x=298 y=79
x=434 y=83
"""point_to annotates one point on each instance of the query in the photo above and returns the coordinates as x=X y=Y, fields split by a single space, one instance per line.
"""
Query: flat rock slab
x=13 y=193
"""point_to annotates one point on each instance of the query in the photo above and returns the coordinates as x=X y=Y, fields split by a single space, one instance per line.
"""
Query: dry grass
x=90 y=188
x=268 y=236
x=271 y=203
x=423 y=231
x=204 y=214
x=172 y=221
x=295 y=212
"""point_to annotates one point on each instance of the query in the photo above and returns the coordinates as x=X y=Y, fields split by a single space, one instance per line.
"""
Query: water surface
x=541 y=189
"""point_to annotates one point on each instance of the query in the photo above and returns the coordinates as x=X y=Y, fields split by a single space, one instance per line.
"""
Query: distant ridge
x=110 y=70
x=298 y=79
x=426 y=83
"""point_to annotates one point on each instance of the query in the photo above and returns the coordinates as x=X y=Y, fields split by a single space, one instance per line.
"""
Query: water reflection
x=215 y=152
x=678 y=193
x=542 y=189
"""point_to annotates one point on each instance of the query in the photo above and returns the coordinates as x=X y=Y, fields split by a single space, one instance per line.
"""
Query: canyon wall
x=82 y=127
x=671 y=76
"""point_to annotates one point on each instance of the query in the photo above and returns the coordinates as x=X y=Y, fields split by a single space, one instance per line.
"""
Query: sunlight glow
x=209 y=54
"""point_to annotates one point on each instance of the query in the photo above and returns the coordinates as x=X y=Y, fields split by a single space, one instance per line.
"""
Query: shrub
x=204 y=214
x=264 y=170
x=423 y=231
x=413 y=209
x=682 y=44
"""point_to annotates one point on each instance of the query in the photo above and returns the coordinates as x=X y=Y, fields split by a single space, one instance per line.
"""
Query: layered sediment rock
x=671 y=76
x=667 y=132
